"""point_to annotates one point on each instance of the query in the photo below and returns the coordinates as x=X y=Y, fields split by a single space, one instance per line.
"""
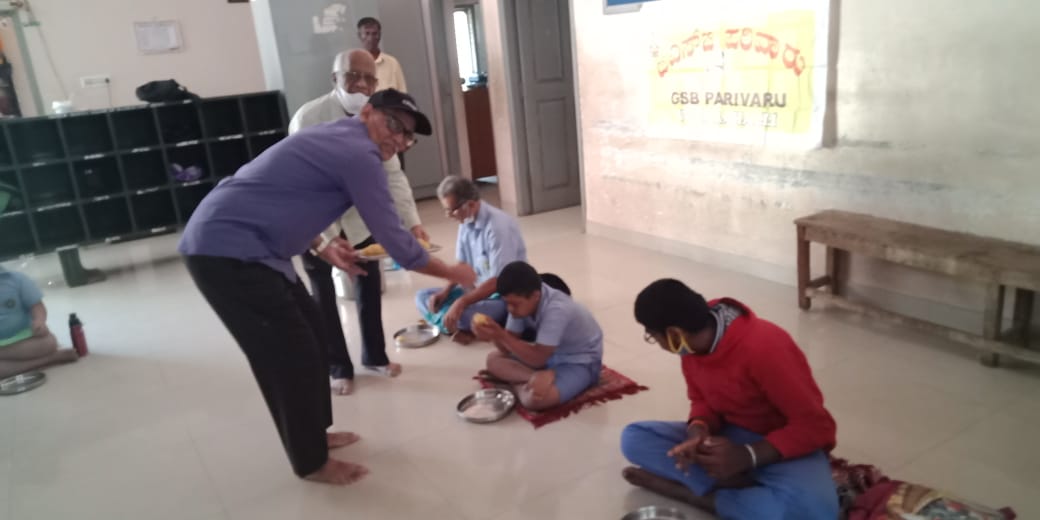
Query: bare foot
x=66 y=355
x=341 y=386
x=341 y=439
x=338 y=473
x=389 y=370
x=486 y=375
x=463 y=337
x=662 y=486
x=542 y=380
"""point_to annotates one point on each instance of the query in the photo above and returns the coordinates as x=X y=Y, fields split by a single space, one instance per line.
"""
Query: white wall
x=502 y=81
x=937 y=123
x=300 y=38
x=220 y=54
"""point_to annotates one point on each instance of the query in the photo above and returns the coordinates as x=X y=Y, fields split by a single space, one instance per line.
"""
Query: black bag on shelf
x=160 y=91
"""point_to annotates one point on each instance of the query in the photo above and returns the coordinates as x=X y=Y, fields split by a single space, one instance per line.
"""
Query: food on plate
x=378 y=250
x=373 y=250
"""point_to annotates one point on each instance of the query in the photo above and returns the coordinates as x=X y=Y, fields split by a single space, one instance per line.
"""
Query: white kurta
x=325 y=109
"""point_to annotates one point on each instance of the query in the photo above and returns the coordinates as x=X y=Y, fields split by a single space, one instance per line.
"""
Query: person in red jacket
x=756 y=442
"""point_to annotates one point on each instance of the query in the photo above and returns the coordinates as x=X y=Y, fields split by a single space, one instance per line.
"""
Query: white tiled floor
x=163 y=420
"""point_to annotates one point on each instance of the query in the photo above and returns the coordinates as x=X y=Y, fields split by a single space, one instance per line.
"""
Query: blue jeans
x=496 y=309
x=796 y=489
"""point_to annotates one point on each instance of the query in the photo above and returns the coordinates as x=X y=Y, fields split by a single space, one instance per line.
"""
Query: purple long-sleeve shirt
x=274 y=206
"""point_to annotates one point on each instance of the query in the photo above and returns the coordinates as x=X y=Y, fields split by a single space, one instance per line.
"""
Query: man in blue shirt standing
x=551 y=347
x=488 y=239
x=239 y=243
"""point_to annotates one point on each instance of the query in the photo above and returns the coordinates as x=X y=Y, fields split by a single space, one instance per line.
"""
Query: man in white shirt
x=388 y=69
x=354 y=80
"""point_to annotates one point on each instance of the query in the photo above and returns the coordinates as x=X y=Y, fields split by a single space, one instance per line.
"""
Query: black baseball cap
x=396 y=100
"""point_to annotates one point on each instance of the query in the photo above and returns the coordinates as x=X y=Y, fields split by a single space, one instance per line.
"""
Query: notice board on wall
x=157 y=37
x=737 y=71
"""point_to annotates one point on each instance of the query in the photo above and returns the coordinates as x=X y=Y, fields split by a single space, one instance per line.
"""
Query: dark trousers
x=278 y=328
x=369 y=299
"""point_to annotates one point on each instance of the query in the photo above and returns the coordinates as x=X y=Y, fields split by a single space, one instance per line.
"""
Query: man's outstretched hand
x=339 y=253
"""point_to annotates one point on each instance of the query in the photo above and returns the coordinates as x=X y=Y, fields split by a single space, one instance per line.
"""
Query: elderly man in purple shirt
x=239 y=243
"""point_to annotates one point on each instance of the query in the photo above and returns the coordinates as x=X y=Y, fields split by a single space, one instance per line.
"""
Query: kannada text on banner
x=741 y=79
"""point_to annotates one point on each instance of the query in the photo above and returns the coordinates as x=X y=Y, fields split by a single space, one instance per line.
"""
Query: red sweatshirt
x=758 y=379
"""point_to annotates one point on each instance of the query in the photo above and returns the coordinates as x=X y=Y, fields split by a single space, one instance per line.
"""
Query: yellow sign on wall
x=741 y=76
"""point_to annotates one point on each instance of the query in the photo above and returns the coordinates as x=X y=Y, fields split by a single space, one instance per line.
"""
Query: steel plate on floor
x=22 y=383
x=417 y=336
x=486 y=406
x=655 y=513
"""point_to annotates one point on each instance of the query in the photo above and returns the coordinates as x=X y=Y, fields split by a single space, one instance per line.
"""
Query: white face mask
x=352 y=103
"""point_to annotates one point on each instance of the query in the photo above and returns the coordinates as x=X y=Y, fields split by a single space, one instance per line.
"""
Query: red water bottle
x=79 y=340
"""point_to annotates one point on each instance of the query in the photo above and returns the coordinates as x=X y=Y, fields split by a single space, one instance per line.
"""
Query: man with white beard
x=354 y=80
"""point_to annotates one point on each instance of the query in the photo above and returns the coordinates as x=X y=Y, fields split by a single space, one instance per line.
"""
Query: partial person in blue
x=26 y=343
x=239 y=243
x=488 y=240
x=551 y=347
x=756 y=441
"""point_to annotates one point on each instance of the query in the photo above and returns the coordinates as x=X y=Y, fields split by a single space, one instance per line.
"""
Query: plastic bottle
x=79 y=340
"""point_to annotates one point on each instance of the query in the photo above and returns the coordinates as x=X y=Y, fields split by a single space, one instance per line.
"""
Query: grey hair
x=460 y=188
x=341 y=62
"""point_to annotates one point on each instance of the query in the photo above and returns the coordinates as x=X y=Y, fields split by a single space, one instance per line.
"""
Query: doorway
x=471 y=55
x=534 y=157
x=546 y=122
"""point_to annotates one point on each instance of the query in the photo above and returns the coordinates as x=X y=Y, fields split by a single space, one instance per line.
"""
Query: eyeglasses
x=397 y=127
x=451 y=211
x=356 y=77
x=651 y=339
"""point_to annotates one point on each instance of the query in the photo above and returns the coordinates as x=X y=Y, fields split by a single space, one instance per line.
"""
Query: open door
x=546 y=85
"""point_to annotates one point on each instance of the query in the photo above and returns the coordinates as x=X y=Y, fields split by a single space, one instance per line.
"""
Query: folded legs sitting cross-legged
x=488 y=239
x=755 y=444
x=551 y=348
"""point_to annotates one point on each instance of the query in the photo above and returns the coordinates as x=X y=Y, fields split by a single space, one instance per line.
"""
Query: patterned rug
x=865 y=493
x=611 y=387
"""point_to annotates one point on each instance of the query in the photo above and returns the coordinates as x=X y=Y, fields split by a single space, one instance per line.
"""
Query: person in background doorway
x=756 y=441
x=25 y=341
x=354 y=80
x=488 y=240
x=551 y=347
x=239 y=243
x=388 y=69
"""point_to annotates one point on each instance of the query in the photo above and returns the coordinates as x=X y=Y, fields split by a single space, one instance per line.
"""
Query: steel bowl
x=486 y=406
x=417 y=336
x=655 y=513
x=21 y=383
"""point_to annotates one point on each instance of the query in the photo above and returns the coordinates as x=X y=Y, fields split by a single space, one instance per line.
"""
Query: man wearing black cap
x=239 y=243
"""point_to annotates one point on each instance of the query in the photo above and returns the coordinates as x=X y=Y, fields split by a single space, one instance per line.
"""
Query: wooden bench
x=998 y=264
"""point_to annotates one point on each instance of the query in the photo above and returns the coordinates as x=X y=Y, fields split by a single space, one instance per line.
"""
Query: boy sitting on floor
x=755 y=445
x=566 y=354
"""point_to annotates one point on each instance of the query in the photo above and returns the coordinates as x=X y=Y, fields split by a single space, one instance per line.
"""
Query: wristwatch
x=325 y=241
